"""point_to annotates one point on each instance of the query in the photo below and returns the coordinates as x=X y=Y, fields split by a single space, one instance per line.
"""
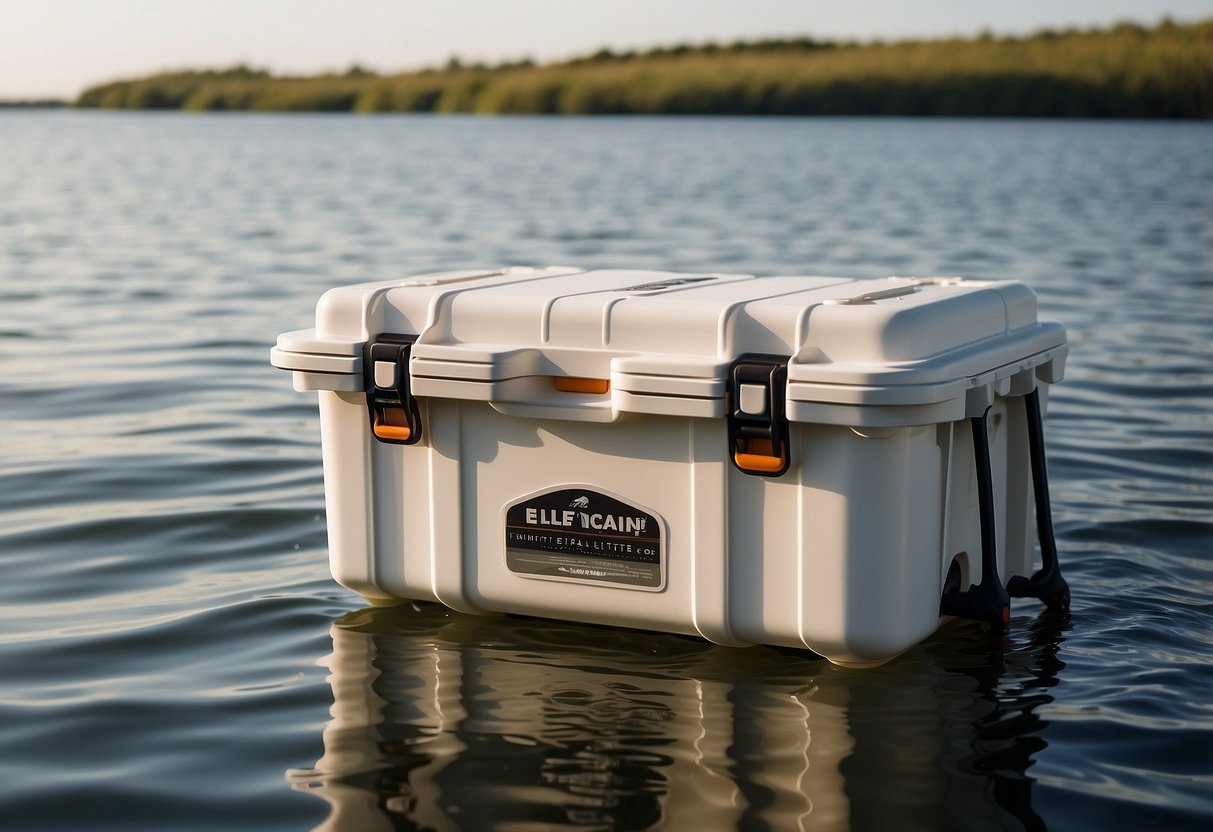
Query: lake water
x=174 y=655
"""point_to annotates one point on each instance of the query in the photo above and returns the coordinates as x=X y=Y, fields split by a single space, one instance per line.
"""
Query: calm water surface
x=173 y=654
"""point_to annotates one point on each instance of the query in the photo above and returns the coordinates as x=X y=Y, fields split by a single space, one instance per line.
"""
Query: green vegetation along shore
x=1126 y=71
x=32 y=104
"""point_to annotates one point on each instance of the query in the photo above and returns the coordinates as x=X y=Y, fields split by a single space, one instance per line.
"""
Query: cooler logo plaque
x=581 y=534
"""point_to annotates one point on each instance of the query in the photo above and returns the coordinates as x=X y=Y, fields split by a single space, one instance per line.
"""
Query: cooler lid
x=562 y=343
x=319 y=362
x=920 y=343
x=592 y=346
x=329 y=356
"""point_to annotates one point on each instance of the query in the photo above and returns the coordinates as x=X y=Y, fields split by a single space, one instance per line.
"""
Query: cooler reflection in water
x=446 y=721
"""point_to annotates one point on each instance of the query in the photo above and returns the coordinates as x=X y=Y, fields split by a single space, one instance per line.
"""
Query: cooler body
x=783 y=460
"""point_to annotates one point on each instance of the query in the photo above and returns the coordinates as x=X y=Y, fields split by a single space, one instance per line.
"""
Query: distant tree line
x=31 y=103
x=1126 y=71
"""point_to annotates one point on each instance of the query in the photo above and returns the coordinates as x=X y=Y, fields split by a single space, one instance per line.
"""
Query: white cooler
x=814 y=462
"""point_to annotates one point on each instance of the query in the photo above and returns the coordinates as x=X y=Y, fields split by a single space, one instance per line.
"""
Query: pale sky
x=55 y=48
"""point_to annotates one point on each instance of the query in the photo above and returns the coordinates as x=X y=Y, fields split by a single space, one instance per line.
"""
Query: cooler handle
x=1047 y=584
x=987 y=601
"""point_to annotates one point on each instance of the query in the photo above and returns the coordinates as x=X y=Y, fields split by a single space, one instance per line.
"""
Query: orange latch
x=394 y=414
x=759 y=457
x=757 y=423
x=573 y=384
x=392 y=423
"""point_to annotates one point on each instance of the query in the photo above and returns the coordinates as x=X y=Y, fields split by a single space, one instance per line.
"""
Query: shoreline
x=1126 y=71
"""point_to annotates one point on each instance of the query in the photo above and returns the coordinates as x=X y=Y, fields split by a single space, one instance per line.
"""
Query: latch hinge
x=395 y=417
x=757 y=423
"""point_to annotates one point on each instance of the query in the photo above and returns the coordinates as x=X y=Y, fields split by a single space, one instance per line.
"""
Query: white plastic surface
x=844 y=554
x=752 y=399
x=385 y=374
